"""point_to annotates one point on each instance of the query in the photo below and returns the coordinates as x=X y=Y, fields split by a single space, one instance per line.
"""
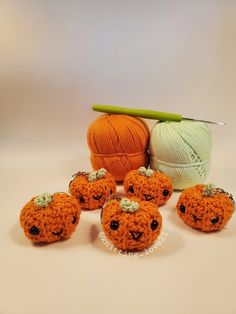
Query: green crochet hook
x=148 y=114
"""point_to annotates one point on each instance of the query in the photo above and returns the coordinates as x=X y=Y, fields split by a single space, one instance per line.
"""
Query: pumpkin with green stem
x=148 y=185
x=131 y=224
x=205 y=207
x=49 y=218
x=92 y=188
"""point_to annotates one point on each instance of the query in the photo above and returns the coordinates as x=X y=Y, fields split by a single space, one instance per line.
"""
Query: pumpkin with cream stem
x=148 y=185
x=131 y=224
x=205 y=208
x=49 y=218
x=92 y=188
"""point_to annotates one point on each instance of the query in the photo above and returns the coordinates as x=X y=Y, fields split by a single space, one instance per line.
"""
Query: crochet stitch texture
x=92 y=193
x=205 y=211
x=148 y=185
x=131 y=230
x=53 y=221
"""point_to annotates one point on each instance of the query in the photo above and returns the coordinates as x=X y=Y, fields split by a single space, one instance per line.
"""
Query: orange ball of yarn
x=118 y=143
x=49 y=218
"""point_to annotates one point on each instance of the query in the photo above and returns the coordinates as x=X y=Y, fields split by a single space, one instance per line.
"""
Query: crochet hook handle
x=143 y=113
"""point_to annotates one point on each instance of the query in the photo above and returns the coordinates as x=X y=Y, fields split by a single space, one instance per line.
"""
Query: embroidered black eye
x=182 y=209
x=114 y=225
x=34 y=230
x=131 y=189
x=214 y=220
x=81 y=199
x=165 y=192
x=111 y=192
x=74 y=220
x=154 y=224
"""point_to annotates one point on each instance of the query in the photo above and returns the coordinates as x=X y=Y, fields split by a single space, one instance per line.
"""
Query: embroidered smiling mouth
x=196 y=218
x=148 y=197
x=58 y=233
x=136 y=235
x=97 y=197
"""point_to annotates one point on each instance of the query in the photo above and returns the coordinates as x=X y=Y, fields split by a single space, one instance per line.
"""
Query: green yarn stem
x=128 y=206
x=147 y=172
x=209 y=190
x=43 y=200
x=96 y=175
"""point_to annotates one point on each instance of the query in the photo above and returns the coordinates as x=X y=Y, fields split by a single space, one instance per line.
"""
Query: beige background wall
x=62 y=56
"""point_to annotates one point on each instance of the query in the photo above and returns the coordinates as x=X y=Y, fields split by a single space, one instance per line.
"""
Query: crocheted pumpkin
x=205 y=207
x=49 y=218
x=148 y=185
x=92 y=188
x=131 y=224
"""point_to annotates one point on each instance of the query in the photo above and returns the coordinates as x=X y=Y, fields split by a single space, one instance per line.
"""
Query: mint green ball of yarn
x=182 y=150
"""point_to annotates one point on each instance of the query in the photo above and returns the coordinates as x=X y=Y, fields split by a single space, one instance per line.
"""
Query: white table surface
x=191 y=272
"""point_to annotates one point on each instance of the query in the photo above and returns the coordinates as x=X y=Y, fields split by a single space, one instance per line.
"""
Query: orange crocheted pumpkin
x=49 y=218
x=148 y=185
x=205 y=207
x=131 y=224
x=92 y=189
